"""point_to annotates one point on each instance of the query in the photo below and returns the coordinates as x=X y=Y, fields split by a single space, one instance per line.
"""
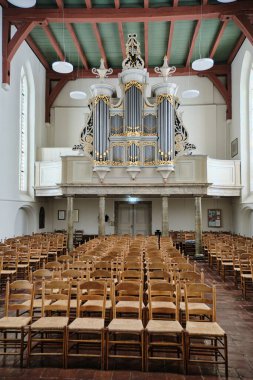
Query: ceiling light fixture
x=23 y=3
x=202 y=64
x=190 y=94
x=63 y=67
x=226 y=1
x=78 y=95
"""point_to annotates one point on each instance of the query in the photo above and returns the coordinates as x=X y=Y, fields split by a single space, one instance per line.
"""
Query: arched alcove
x=24 y=221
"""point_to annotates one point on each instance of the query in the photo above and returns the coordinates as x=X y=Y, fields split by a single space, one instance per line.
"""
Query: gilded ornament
x=104 y=98
x=163 y=97
x=133 y=83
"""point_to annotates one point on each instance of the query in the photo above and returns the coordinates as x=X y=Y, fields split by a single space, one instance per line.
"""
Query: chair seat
x=8 y=271
x=247 y=275
x=125 y=325
x=158 y=326
x=50 y=323
x=63 y=303
x=162 y=305
x=87 y=324
x=14 y=322
x=204 y=328
x=194 y=306
x=96 y=303
x=129 y=304
x=37 y=303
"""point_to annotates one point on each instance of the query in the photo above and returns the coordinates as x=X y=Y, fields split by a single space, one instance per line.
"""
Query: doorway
x=133 y=219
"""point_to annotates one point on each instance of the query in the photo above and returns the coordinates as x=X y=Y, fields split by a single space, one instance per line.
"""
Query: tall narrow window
x=251 y=128
x=23 y=153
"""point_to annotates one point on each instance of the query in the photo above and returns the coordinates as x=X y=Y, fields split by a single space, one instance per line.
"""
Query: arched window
x=23 y=146
x=251 y=127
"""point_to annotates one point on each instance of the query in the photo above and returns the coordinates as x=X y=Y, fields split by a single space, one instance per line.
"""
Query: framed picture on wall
x=214 y=217
x=234 y=148
x=75 y=215
x=61 y=214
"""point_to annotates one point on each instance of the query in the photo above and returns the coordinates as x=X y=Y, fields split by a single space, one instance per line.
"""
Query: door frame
x=116 y=213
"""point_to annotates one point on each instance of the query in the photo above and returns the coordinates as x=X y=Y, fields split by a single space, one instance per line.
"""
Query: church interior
x=126 y=197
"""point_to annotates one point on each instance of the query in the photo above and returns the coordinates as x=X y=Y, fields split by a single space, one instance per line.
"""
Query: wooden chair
x=164 y=333
x=50 y=330
x=245 y=273
x=17 y=316
x=85 y=335
x=206 y=341
x=125 y=336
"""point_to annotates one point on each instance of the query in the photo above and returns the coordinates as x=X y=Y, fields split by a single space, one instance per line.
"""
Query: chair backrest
x=57 y=292
x=204 y=298
x=17 y=295
x=131 y=275
x=93 y=291
x=128 y=291
x=163 y=299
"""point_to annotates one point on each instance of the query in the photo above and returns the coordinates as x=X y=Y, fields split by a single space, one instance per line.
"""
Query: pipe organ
x=133 y=130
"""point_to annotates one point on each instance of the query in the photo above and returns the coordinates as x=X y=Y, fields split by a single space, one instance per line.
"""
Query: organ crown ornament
x=165 y=70
x=102 y=72
x=133 y=52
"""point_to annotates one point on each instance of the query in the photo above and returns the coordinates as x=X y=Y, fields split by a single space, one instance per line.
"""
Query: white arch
x=24 y=221
x=244 y=122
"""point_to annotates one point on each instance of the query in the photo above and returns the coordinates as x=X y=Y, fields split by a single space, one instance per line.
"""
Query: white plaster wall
x=181 y=214
x=11 y=200
x=204 y=117
x=239 y=128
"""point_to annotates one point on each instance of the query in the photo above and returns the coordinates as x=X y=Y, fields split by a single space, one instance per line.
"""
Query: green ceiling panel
x=89 y=44
x=206 y=37
x=74 y=4
x=110 y=38
x=183 y=31
x=103 y=4
x=131 y=3
x=160 y=3
x=227 y=42
x=157 y=42
x=46 y=4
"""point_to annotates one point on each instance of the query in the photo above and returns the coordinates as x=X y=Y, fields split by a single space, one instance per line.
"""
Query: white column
x=101 y=216
x=198 y=227
x=70 y=223
x=165 y=216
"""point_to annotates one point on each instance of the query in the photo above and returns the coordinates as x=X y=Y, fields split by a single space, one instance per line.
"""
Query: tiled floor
x=234 y=314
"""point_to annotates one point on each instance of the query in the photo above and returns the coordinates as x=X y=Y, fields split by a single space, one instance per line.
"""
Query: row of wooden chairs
x=164 y=338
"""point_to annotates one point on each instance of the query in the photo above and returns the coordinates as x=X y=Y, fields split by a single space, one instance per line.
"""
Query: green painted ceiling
x=158 y=35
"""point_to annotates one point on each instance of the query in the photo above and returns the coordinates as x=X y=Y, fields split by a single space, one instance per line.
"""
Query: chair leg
x=21 y=346
x=28 y=348
x=226 y=355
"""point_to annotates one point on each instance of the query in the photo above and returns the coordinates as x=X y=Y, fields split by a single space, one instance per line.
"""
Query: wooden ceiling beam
x=97 y=15
x=19 y=37
x=100 y=44
x=193 y=40
x=146 y=3
x=170 y=40
x=218 y=38
x=146 y=42
x=224 y=91
x=4 y=3
x=78 y=46
x=52 y=93
x=243 y=22
x=117 y=4
x=220 y=70
x=236 y=49
x=37 y=52
x=175 y=3
x=88 y=4
x=122 y=41
x=53 y=42
x=60 y=4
